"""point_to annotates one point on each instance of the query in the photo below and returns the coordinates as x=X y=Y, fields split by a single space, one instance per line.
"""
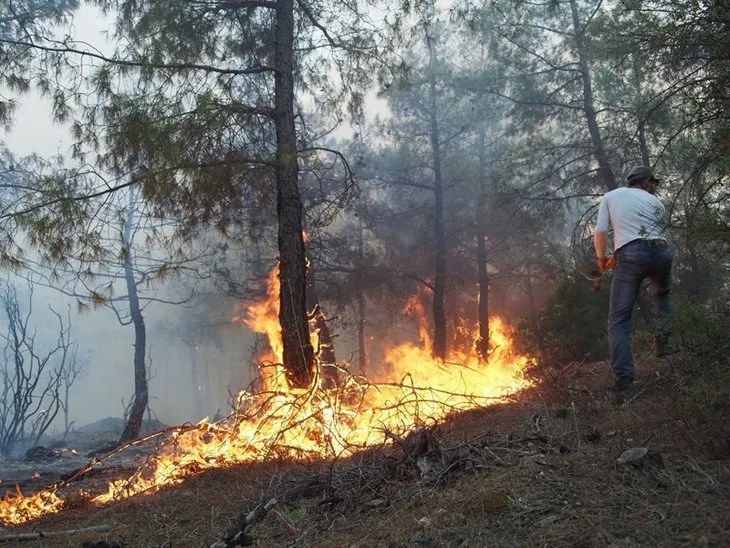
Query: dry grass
x=539 y=472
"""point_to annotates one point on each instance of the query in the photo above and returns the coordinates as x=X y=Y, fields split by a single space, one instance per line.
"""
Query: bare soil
x=541 y=471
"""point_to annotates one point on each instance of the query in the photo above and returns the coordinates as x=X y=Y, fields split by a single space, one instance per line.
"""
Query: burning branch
x=279 y=421
x=297 y=424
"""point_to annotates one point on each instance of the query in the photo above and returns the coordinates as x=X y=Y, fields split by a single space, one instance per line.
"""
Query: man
x=637 y=218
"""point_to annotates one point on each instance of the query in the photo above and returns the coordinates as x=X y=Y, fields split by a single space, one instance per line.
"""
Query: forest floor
x=544 y=470
x=53 y=459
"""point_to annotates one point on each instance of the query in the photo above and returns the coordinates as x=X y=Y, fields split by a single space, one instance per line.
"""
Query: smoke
x=191 y=372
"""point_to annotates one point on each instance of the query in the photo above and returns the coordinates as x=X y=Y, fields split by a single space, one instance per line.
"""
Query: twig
x=76 y=474
x=651 y=436
x=40 y=534
x=696 y=468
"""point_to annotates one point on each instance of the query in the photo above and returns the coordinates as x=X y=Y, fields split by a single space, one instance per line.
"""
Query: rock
x=640 y=457
x=634 y=454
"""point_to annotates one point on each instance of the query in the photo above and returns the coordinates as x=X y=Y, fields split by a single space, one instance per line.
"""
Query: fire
x=263 y=316
x=415 y=307
x=280 y=422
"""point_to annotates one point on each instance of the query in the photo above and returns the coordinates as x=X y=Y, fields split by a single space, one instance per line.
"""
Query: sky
x=33 y=130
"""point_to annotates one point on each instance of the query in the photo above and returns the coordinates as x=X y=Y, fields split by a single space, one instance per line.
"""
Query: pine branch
x=65 y=49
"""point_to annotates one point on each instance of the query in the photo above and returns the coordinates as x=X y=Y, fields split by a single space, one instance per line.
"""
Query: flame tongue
x=263 y=316
x=18 y=509
x=279 y=422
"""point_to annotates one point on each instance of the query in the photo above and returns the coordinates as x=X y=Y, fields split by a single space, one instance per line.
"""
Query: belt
x=658 y=243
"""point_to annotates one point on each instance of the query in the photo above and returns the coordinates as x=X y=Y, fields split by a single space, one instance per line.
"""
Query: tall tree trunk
x=599 y=150
x=696 y=279
x=534 y=314
x=642 y=142
x=361 y=346
x=483 y=341
x=439 y=283
x=66 y=418
x=641 y=116
x=297 y=347
x=196 y=382
x=141 y=394
x=207 y=372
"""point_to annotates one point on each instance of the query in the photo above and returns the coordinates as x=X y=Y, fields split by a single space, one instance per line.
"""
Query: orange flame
x=263 y=316
x=415 y=307
x=280 y=422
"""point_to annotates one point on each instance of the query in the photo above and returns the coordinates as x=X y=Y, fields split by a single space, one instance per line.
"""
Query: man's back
x=633 y=214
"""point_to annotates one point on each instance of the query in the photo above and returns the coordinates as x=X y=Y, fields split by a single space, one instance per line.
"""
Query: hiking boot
x=660 y=347
x=620 y=389
x=622 y=384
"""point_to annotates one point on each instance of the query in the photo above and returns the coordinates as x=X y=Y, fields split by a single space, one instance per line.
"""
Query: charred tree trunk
x=483 y=341
x=297 y=347
x=326 y=347
x=141 y=394
x=439 y=284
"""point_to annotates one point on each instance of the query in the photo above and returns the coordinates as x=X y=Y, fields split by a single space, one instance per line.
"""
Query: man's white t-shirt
x=633 y=213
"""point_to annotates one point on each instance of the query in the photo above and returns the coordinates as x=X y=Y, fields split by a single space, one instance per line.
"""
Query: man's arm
x=600 y=235
x=600 y=242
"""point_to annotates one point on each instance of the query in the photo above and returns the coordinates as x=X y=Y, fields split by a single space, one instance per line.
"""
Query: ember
x=280 y=422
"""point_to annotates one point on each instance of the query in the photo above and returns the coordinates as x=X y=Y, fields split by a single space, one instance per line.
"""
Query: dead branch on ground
x=237 y=534
x=53 y=534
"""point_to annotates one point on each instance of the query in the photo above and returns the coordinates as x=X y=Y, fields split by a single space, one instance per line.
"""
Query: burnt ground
x=55 y=460
x=541 y=471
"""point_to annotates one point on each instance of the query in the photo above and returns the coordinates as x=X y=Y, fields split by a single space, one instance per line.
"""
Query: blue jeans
x=636 y=261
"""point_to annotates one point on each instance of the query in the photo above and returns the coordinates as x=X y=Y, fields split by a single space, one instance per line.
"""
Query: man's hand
x=605 y=263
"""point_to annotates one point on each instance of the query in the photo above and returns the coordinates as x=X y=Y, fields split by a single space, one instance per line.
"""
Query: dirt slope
x=541 y=471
